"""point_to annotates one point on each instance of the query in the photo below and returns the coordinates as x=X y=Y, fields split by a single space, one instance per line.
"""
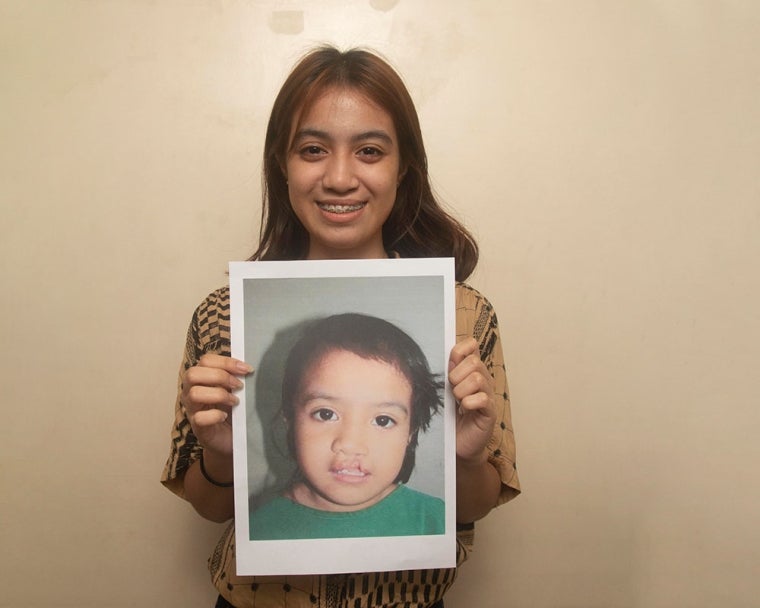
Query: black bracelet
x=213 y=482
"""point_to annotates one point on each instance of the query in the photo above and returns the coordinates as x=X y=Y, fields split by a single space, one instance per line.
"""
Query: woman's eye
x=385 y=422
x=324 y=415
x=311 y=151
x=370 y=153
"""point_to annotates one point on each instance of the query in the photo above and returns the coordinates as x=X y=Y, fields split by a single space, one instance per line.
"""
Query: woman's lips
x=341 y=207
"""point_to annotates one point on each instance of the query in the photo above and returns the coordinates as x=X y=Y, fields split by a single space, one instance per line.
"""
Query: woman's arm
x=478 y=482
x=478 y=487
x=210 y=501
x=208 y=400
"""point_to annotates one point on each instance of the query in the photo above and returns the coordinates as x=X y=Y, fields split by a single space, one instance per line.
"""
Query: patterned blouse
x=210 y=332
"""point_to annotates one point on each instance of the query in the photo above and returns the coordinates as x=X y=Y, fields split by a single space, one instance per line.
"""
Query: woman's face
x=343 y=169
x=351 y=426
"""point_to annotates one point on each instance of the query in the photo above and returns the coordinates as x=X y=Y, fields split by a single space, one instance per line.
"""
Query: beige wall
x=605 y=153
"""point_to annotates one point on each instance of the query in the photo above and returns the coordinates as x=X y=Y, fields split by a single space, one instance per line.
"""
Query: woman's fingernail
x=244 y=367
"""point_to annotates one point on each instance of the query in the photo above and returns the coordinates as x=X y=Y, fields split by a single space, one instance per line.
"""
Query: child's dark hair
x=370 y=338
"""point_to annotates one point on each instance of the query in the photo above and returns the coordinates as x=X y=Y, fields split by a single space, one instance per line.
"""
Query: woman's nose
x=339 y=174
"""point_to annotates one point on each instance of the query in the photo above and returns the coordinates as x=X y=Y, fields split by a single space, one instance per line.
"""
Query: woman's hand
x=473 y=388
x=478 y=482
x=208 y=399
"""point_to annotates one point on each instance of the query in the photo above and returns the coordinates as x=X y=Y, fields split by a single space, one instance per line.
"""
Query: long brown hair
x=417 y=226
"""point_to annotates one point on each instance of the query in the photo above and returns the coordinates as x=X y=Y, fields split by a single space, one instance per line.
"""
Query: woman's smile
x=343 y=172
x=341 y=211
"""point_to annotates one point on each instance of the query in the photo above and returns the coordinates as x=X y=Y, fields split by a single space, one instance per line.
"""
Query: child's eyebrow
x=317 y=395
x=320 y=395
x=393 y=404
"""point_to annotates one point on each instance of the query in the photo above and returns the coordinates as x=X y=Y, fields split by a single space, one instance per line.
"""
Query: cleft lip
x=350 y=473
x=352 y=470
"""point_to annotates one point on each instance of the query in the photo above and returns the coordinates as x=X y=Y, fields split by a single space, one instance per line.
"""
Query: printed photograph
x=344 y=414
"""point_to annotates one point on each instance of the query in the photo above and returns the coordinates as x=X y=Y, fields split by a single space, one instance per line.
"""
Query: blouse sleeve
x=476 y=317
x=209 y=331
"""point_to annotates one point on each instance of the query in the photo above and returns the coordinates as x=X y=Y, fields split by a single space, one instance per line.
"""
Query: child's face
x=351 y=429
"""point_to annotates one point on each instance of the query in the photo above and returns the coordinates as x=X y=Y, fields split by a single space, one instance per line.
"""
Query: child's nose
x=350 y=440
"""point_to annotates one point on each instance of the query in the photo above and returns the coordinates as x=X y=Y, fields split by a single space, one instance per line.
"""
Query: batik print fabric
x=209 y=331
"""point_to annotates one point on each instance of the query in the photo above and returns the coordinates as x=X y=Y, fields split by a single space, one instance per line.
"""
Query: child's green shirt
x=404 y=512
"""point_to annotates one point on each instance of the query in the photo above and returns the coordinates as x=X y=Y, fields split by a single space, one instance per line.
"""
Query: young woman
x=345 y=176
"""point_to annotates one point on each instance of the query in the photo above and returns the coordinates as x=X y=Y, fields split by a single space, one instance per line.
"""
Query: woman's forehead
x=329 y=104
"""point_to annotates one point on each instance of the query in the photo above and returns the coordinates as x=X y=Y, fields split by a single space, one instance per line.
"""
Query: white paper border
x=324 y=556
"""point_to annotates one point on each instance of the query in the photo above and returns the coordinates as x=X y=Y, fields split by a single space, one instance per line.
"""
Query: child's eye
x=385 y=422
x=324 y=415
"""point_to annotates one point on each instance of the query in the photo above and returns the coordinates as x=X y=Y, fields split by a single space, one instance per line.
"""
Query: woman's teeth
x=340 y=208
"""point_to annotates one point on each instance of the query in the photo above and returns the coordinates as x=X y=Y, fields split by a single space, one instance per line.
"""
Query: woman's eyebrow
x=319 y=134
x=378 y=134
x=303 y=133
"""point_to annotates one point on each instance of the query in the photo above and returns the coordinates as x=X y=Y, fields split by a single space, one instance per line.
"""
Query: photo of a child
x=356 y=393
